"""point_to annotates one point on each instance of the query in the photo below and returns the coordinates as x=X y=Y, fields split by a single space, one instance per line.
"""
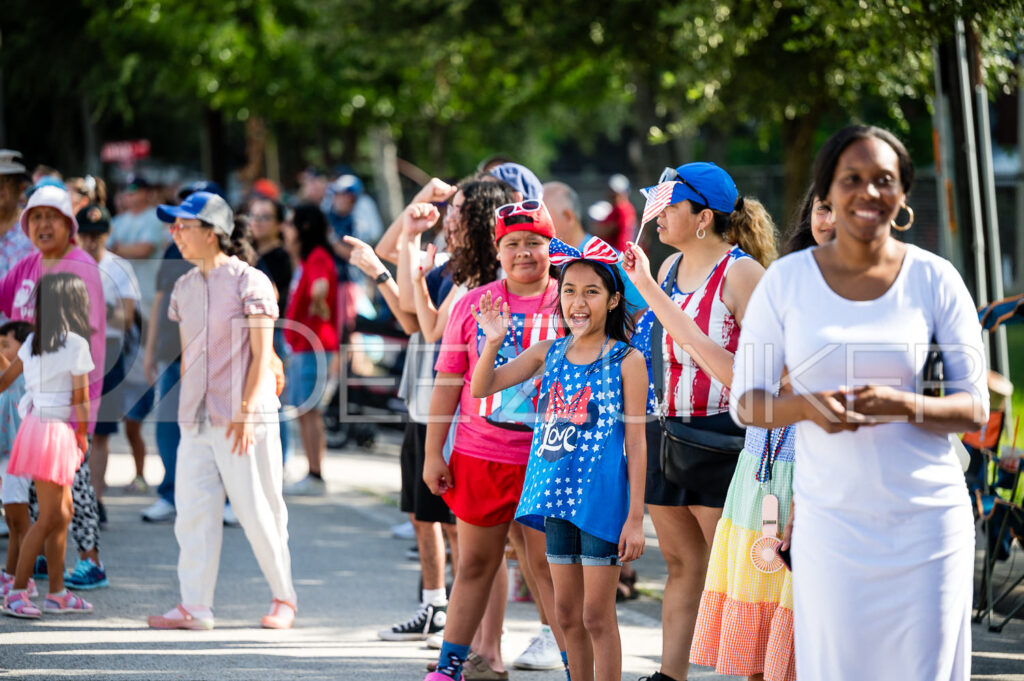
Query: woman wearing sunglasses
x=724 y=242
x=483 y=480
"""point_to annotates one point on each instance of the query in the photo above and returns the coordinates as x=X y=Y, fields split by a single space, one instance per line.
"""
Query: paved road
x=352 y=579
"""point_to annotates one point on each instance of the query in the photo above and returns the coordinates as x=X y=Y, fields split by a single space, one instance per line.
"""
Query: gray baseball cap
x=205 y=206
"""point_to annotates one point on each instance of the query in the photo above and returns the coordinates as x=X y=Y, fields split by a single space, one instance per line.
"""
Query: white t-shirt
x=795 y=320
x=48 y=377
x=119 y=284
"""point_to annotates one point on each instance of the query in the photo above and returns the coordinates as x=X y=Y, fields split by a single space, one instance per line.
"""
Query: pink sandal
x=279 y=618
x=7 y=585
x=186 y=621
x=18 y=604
x=69 y=603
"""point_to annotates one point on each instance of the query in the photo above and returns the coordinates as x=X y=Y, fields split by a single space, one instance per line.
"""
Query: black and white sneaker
x=428 y=620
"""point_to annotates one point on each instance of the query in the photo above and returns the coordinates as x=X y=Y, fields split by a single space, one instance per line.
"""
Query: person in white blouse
x=882 y=537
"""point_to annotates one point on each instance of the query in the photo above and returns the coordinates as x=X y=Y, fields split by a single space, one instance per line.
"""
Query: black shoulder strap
x=657 y=357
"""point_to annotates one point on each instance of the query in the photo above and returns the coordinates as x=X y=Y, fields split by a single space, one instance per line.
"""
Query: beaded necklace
x=769 y=455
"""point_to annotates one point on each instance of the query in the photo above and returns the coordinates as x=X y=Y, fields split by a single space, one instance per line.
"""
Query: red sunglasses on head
x=528 y=207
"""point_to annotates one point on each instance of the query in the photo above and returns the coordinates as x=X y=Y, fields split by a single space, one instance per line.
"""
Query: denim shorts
x=306 y=378
x=569 y=545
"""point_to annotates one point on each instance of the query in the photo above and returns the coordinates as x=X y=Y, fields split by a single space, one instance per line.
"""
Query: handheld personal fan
x=762 y=552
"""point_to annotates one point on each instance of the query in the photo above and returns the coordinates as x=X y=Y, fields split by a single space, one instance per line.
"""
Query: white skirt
x=883 y=597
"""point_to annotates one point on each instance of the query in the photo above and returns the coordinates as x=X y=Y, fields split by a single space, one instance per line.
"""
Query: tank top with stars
x=577 y=465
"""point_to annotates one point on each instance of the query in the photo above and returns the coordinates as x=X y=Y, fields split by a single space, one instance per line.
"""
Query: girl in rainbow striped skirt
x=745 y=623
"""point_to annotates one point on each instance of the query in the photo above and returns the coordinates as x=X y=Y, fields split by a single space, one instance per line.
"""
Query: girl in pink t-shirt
x=483 y=480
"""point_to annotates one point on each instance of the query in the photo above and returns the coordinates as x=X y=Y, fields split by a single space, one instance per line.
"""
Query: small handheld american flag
x=657 y=197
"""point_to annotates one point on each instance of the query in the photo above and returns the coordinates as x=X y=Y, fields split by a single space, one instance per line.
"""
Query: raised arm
x=709 y=355
x=493 y=318
x=435 y=191
x=369 y=264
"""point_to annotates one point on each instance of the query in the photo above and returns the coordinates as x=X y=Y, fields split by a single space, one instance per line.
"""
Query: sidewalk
x=352 y=579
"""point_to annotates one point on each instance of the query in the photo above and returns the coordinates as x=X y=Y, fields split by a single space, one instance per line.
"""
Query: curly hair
x=476 y=262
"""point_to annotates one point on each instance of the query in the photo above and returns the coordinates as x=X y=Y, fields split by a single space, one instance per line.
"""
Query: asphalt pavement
x=352 y=579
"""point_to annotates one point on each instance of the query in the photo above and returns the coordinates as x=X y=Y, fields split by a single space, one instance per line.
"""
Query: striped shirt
x=689 y=390
x=531 y=321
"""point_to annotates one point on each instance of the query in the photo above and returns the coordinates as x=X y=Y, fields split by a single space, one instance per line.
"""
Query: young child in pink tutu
x=51 y=440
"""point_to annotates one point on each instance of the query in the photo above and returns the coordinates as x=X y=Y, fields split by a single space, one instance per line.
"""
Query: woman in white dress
x=883 y=539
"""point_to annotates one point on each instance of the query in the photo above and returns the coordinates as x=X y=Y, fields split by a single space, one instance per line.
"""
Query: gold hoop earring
x=701 y=232
x=910 y=222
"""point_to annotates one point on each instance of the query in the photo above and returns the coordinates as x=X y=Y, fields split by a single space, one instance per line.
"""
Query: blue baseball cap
x=347 y=183
x=703 y=184
x=519 y=178
x=205 y=206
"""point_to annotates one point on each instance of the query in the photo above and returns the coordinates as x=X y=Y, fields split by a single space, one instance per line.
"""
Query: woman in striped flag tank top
x=725 y=241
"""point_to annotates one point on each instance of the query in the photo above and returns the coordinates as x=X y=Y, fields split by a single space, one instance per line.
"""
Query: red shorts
x=485 y=493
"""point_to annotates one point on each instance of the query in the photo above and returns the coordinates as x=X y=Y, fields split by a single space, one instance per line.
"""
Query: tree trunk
x=255 y=148
x=385 y=163
x=92 y=164
x=215 y=161
x=797 y=159
x=648 y=159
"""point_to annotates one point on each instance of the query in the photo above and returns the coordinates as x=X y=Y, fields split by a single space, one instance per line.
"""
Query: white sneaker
x=230 y=519
x=160 y=511
x=403 y=531
x=541 y=653
x=307 y=487
x=435 y=641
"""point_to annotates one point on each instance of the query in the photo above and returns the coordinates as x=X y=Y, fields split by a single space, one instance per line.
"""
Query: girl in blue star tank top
x=585 y=478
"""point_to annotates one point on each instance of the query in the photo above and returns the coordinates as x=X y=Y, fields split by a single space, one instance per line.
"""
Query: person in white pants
x=230 y=442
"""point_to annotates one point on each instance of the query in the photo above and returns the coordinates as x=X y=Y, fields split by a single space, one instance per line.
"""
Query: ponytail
x=751 y=228
x=239 y=243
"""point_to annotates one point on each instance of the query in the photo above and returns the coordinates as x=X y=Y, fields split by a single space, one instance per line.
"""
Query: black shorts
x=662 y=492
x=416 y=497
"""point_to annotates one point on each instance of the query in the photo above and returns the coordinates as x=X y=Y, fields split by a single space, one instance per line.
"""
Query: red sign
x=123 y=152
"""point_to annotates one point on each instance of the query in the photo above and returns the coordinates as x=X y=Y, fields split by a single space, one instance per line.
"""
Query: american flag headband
x=595 y=250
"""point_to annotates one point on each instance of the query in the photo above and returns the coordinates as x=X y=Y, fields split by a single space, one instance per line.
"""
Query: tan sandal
x=278 y=618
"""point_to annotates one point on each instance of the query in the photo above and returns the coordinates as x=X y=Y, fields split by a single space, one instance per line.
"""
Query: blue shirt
x=577 y=466
x=10 y=419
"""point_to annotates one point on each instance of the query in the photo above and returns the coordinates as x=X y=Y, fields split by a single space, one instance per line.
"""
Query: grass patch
x=1015 y=350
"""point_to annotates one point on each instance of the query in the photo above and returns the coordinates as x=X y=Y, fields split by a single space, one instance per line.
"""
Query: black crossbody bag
x=690 y=457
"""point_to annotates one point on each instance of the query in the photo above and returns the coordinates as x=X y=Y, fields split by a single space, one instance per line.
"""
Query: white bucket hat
x=54 y=197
